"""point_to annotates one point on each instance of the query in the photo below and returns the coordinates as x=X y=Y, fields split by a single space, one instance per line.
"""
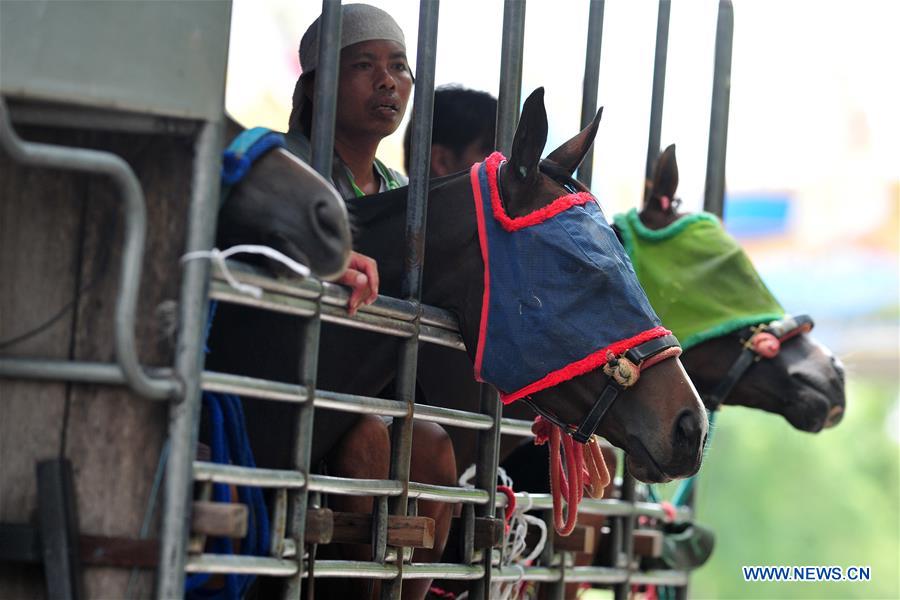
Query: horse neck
x=453 y=275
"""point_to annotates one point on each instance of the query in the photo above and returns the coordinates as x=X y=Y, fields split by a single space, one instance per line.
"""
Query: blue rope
x=230 y=445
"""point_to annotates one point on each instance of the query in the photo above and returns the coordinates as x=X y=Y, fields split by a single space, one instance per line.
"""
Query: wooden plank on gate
x=356 y=528
x=222 y=519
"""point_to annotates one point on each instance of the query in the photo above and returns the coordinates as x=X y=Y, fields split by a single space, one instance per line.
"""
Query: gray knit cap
x=359 y=23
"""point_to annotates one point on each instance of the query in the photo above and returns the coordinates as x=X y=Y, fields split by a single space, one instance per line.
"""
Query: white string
x=218 y=258
x=514 y=545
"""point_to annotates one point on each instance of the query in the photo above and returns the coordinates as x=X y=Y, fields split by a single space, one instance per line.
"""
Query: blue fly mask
x=560 y=295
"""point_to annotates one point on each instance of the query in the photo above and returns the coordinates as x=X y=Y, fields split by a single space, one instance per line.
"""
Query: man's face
x=373 y=89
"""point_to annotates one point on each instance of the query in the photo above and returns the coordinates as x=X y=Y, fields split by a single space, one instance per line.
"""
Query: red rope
x=567 y=483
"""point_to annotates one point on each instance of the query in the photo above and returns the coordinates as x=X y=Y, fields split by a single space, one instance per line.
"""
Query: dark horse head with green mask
x=740 y=346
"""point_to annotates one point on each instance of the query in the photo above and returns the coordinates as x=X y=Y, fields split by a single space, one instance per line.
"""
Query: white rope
x=218 y=258
x=514 y=545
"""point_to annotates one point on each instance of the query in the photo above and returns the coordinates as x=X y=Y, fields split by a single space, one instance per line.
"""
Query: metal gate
x=405 y=318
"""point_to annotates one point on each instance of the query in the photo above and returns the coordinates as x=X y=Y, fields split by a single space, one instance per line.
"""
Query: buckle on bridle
x=637 y=357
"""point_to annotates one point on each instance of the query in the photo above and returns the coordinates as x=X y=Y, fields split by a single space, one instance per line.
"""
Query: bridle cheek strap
x=765 y=342
x=633 y=362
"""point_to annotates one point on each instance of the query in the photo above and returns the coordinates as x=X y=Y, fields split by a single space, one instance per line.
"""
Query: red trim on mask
x=539 y=216
x=482 y=240
x=587 y=364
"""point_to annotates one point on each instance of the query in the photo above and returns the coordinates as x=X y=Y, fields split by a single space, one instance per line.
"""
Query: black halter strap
x=609 y=393
x=783 y=329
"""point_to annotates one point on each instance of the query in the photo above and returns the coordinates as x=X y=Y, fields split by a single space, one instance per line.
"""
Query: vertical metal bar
x=184 y=414
x=591 y=82
x=486 y=477
x=420 y=154
x=416 y=211
x=299 y=499
x=627 y=548
x=659 y=84
x=59 y=529
x=322 y=139
x=511 y=53
x=714 y=193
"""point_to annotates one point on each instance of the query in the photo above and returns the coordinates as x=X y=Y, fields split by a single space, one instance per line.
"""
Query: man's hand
x=362 y=277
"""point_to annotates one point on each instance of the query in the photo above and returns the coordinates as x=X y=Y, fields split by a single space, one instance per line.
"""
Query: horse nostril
x=688 y=429
x=328 y=221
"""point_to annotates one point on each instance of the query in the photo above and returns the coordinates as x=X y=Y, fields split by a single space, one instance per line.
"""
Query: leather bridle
x=758 y=342
x=639 y=356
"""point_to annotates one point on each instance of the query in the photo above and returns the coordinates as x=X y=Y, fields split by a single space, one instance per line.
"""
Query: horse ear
x=665 y=175
x=571 y=153
x=531 y=135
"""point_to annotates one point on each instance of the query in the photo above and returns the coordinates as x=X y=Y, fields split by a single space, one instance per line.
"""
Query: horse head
x=802 y=380
x=283 y=203
x=659 y=420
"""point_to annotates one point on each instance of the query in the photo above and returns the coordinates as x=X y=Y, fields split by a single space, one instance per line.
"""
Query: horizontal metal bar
x=452 y=417
x=596 y=575
x=233 y=475
x=302 y=307
x=287 y=392
x=360 y=404
x=74 y=371
x=253 y=387
x=354 y=568
x=215 y=563
x=519 y=427
x=336 y=295
x=240 y=564
x=354 y=487
x=442 y=571
x=442 y=493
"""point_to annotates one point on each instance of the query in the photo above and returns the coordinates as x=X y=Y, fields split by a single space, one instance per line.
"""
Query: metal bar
x=215 y=563
x=486 y=476
x=416 y=212
x=338 y=295
x=324 y=108
x=659 y=84
x=518 y=427
x=135 y=217
x=362 y=320
x=299 y=499
x=355 y=487
x=591 y=82
x=286 y=392
x=58 y=523
x=233 y=475
x=420 y=158
x=627 y=549
x=441 y=493
x=240 y=565
x=69 y=370
x=184 y=416
x=511 y=53
x=714 y=192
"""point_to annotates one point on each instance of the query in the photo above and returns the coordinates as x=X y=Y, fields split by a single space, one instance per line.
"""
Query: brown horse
x=804 y=383
x=659 y=421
